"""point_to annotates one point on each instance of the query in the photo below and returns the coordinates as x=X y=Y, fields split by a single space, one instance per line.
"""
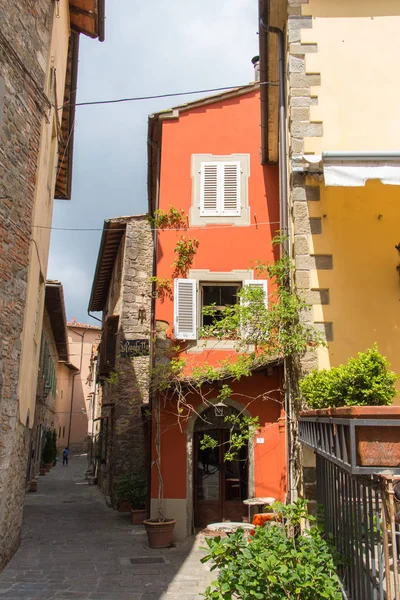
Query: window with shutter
x=251 y=329
x=209 y=189
x=185 y=309
x=220 y=189
x=108 y=346
x=261 y=284
x=230 y=191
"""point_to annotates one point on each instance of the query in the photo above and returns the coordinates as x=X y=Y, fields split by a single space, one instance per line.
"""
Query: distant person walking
x=65 y=456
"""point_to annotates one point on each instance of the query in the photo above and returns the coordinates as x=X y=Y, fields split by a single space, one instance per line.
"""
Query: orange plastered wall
x=269 y=457
x=223 y=128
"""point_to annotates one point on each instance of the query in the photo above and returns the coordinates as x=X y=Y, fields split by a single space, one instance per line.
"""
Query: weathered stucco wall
x=25 y=32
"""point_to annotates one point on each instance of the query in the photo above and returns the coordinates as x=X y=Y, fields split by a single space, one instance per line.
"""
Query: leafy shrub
x=134 y=489
x=363 y=381
x=277 y=562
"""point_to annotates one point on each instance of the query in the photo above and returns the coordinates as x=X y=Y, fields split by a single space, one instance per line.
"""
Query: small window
x=61 y=394
x=63 y=431
x=220 y=189
x=221 y=295
x=59 y=432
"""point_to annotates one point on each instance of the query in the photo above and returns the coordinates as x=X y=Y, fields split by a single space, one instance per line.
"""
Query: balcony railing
x=341 y=440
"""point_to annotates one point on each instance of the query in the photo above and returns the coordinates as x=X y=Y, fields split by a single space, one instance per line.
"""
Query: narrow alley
x=74 y=547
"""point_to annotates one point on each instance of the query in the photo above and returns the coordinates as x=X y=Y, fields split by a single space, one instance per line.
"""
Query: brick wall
x=25 y=30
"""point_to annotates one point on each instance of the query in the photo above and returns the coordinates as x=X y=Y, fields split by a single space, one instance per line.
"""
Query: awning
x=354 y=169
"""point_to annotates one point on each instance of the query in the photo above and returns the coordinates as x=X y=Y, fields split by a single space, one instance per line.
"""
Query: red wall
x=269 y=458
x=223 y=128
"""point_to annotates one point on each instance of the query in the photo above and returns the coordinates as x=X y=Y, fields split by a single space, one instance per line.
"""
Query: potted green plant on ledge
x=360 y=389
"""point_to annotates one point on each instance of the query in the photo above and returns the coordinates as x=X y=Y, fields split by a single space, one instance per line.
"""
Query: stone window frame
x=207 y=276
x=195 y=219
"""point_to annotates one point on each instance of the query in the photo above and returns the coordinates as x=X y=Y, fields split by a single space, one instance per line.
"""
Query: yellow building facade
x=344 y=126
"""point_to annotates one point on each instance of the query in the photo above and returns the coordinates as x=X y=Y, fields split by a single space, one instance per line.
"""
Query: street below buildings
x=75 y=547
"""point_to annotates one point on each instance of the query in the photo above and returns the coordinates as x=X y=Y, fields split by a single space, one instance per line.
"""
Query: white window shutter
x=185 y=295
x=230 y=188
x=259 y=283
x=209 y=189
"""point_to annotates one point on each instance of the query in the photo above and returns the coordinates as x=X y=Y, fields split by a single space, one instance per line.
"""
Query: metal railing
x=336 y=440
x=360 y=520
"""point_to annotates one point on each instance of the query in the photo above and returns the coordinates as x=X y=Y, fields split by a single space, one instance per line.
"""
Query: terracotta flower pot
x=376 y=445
x=42 y=471
x=138 y=516
x=33 y=486
x=48 y=466
x=159 y=533
x=124 y=506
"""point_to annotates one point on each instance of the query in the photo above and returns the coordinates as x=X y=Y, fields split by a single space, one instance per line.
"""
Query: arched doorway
x=219 y=485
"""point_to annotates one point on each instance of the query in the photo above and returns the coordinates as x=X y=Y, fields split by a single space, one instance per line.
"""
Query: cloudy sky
x=151 y=47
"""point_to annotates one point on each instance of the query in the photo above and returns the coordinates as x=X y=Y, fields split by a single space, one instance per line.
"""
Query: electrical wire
x=170 y=95
x=199 y=227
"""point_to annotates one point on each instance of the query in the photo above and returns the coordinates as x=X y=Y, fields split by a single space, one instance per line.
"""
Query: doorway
x=220 y=485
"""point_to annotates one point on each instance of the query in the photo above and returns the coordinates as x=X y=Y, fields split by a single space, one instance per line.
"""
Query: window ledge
x=202 y=345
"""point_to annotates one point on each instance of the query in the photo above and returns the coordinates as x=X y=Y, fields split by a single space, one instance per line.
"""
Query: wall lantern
x=141 y=314
x=219 y=409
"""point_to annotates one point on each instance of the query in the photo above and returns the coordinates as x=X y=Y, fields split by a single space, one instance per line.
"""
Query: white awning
x=353 y=169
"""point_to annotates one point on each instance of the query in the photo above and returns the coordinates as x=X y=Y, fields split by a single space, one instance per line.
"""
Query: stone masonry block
x=302 y=91
x=303 y=48
x=298 y=101
x=308 y=193
x=316 y=226
x=316 y=296
x=297 y=145
x=300 y=113
x=301 y=246
x=302 y=278
x=299 y=80
x=294 y=11
x=306 y=129
x=302 y=226
x=294 y=36
x=300 y=210
x=296 y=2
x=296 y=23
x=296 y=64
x=327 y=329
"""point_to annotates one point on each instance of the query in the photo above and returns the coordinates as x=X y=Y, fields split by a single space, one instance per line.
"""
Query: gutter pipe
x=153 y=148
x=284 y=226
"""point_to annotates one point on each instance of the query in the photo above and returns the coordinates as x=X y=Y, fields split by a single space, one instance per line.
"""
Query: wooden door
x=220 y=486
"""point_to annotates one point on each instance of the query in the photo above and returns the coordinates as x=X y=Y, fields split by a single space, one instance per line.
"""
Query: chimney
x=256 y=62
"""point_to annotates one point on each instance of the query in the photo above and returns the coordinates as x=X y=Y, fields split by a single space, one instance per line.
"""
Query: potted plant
x=123 y=491
x=47 y=456
x=160 y=530
x=137 y=498
x=362 y=388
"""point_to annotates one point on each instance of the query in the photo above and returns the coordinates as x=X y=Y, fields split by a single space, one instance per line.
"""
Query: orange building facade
x=204 y=159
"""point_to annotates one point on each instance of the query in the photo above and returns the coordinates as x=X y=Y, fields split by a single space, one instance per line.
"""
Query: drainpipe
x=73 y=385
x=284 y=226
x=152 y=350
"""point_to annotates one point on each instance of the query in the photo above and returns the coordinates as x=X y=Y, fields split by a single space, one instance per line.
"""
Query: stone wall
x=307 y=224
x=305 y=191
x=25 y=30
x=127 y=390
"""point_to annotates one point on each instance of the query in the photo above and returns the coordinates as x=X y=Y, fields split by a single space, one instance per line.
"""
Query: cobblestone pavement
x=74 y=547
